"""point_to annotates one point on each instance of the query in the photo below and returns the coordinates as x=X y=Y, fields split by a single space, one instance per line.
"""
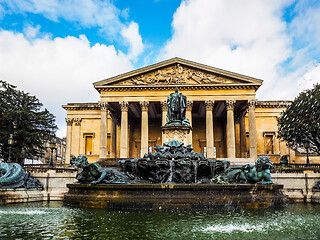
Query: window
x=248 y=144
x=268 y=142
x=88 y=147
x=88 y=142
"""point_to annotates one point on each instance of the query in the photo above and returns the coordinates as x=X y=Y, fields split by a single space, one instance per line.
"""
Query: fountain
x=174 y=177
x=18 y=186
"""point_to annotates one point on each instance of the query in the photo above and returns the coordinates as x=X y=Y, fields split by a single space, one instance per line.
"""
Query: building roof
x=212 y=74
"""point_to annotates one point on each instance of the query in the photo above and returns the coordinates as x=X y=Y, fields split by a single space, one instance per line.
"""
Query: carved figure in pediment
x=162 y=77
x=194 y=76
x=179 y=69
x=138 y=81
x=176 y=74
x=201 y=77
x=210 y=79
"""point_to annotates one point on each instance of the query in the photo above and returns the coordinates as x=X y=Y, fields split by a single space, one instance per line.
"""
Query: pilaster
x=69 y=122
x=76 y=136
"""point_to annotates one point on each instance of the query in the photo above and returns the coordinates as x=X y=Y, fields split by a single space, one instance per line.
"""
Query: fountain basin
x=175 y=196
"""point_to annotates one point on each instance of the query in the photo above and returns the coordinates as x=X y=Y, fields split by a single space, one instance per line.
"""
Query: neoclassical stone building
x=227 y=120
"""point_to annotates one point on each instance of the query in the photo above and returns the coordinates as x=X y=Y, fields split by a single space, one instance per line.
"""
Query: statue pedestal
x=176 y=132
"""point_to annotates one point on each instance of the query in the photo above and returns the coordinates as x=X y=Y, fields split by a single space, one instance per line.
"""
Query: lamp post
x=10 y=142
x=306 y=145
x=52 y=146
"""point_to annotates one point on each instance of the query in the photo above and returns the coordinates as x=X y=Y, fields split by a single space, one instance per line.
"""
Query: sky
x=56 y=49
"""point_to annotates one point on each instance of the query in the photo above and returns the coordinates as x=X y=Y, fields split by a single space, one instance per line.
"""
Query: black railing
x=295 y=168
x=46 y=166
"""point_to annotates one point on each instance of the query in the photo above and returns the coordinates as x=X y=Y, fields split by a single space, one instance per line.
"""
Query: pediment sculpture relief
x=174 y=75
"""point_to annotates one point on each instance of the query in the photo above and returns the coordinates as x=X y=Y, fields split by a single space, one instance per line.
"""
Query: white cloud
x=247 y=37
x=131 y=35
x=58 y=70
x=31 y=32
x=87 y=13
x=309 y=78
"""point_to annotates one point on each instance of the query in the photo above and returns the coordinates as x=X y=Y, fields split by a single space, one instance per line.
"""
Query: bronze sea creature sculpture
x=13 y=176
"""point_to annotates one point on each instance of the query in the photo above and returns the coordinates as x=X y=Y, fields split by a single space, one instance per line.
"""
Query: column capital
x=144 y=105
x=103 y=106
x=77 y=121
x=209 y=105
x=69 y=121
x=124 y=106
x=164 y=105
x=252 y=104
x=230 y=104
x=189 y=105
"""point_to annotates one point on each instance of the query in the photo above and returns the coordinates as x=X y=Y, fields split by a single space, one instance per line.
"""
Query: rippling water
x=53 y=221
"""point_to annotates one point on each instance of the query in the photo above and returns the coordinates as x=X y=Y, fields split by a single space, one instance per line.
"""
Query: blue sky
x=56 y=49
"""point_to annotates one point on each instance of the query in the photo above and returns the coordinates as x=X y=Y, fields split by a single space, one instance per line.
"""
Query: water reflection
x=53 y=221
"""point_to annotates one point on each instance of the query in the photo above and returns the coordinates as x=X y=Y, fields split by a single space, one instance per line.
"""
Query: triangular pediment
x=178 y=71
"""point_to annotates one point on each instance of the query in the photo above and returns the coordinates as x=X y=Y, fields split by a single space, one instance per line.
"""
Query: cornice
x=172 y=87
x=81 y=106
x=273 y=104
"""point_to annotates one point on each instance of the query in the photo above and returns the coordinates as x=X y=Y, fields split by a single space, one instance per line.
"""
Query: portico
x=127 y=121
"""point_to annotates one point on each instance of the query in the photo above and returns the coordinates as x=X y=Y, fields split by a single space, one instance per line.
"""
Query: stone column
x=252 y=129
x=164 y=107
x=243 y=135
x=231 y=145
x=118 y=139
x=209 y=128
x=144 y=127
x=189 y=116
x=68 y=140
x=76 y=136
x=237 y=135
x=103 y=152
x=113 y=139
x=124 y=129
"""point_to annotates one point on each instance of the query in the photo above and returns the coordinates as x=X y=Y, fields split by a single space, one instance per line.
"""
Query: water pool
x=54 y=221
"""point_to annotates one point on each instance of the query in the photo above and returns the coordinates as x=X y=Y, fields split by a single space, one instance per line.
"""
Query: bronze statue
x=13 y=176
x=258 y=173
x=177 y=104
x=93 y=173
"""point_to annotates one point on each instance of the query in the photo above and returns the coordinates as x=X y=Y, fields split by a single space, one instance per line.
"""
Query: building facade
x=227 y=121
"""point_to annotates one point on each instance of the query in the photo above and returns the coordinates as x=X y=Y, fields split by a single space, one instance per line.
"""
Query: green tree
x=23 y=116
x=299 y=124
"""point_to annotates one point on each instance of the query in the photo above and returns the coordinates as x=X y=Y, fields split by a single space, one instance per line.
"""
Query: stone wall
x=54 y=181
x=54 y=186
x=297 y=187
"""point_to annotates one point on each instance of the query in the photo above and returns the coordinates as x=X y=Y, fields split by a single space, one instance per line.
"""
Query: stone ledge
x=175 y=196
x=20 y=195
